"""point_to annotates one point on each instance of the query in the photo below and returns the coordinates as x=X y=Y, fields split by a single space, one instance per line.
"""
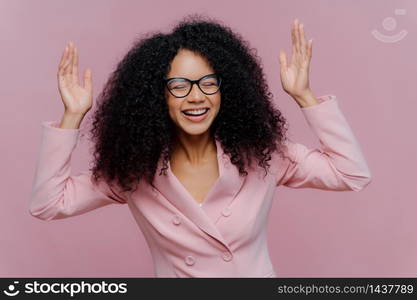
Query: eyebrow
x=207 y=75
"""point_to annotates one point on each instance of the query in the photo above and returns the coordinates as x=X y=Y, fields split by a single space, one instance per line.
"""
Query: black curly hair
x=132 y=129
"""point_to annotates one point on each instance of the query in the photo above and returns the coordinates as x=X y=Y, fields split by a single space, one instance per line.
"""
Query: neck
x=195 y=150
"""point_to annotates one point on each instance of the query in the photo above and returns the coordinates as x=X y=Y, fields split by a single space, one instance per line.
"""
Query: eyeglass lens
x=180 y=87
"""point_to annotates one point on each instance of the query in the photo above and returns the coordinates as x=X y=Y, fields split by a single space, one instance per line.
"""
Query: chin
x=194 y=131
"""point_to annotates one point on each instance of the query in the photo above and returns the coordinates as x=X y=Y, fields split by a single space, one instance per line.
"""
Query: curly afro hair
x=132 y=129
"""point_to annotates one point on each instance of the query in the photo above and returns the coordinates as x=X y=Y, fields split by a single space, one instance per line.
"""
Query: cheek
x=173 y=109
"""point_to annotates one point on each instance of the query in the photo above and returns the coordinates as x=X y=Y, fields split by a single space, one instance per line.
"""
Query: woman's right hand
x=77 y=99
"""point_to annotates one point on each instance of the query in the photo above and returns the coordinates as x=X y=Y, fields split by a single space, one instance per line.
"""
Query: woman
x=178 y=128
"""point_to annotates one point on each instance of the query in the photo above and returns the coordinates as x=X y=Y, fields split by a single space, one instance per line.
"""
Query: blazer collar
x=220 y=196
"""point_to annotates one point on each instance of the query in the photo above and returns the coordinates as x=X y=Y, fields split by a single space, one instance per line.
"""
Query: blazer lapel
x=219 y=197
x=225 y=189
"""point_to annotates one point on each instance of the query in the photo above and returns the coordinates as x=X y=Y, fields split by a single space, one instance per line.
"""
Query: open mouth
x=195 y=113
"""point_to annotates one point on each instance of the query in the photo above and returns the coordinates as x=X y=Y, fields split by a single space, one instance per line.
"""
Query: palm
x=76 y=98
x=294 y=79
x=294 y=76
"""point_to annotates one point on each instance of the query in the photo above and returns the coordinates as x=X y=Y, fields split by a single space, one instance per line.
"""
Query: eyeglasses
x=180 y=87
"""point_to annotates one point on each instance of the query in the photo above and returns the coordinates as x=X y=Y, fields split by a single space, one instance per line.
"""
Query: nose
x=195 y=94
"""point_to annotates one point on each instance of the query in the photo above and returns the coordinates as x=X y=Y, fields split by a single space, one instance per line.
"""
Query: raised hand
x=77 y=99
x=294 y=76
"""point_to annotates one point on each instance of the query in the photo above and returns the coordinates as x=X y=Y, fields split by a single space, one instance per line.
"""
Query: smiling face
x=190 y=65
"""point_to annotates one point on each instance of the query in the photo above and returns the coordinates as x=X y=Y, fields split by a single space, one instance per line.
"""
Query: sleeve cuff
x=322 y=101
x=52 y=132
x=54 y=125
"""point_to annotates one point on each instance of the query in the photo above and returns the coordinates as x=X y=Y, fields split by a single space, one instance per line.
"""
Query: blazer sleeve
x=339 y=165
x=57 y=194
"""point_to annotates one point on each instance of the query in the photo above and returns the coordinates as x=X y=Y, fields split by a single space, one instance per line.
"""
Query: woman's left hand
x=294 y=77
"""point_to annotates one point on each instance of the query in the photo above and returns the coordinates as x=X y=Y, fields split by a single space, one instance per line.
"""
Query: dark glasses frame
x=219 y=80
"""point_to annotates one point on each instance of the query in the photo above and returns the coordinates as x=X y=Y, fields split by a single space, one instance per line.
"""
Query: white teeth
x=196 y=112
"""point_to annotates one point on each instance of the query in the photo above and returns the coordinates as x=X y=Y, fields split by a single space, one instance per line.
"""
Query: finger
x=64 y=68
x=303 y=43
x=310 y=49
x=64 y=61
x=293 y=38
x=283 y=60
x=297 y=36
x=63 y=57
x=67 y=65
x=75 y=66
x=71 y=66
x=295 y=50
x=87 y=80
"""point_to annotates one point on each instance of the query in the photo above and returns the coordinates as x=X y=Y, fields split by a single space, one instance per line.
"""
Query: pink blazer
x=226 y=236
